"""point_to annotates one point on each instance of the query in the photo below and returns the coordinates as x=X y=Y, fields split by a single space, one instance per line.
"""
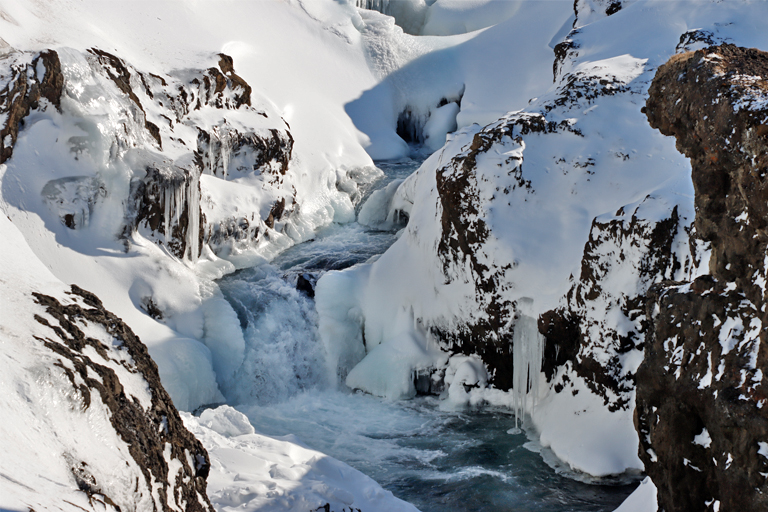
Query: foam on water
x=475 y=460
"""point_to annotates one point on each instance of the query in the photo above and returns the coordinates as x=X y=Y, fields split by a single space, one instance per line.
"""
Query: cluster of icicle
x=527 y=354
x=177 y=199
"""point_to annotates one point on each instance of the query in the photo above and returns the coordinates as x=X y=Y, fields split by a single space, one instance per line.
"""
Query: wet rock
x=305 y=283
x=701 y=396
x=173 y=463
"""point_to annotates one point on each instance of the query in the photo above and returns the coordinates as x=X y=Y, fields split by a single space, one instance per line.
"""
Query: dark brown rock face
x=23 y=93
x=166 y=206
x=156 y=437
x=701 y=397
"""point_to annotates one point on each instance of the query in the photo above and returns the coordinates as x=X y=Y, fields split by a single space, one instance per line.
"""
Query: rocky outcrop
x=224 y=150
x=166 y=207
x=109 y=368
x=701 y=396
x=28 y=85
x=464 y=232
x=600 y=326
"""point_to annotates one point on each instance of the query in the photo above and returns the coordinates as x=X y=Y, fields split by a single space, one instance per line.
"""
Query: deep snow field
x=375 y=103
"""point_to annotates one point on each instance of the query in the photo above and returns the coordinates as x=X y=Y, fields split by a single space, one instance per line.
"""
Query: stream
x=469 y=461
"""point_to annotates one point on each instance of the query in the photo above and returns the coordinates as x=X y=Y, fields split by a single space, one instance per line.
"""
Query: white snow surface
x=642 y=500
x=253 y=472
x=338 y=77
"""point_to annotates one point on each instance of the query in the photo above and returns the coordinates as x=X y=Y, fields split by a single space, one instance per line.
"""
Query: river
x=468 y=461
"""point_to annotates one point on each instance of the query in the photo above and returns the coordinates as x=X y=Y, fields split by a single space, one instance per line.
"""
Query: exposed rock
x=165 y=206
x=224 y=150
x=173 y=462
x=24 y=91
x=701 y=398
x=599 y=324
x=119 y=74
x=464 y=232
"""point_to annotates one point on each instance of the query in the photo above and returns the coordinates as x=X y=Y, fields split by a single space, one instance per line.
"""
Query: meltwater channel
x=475 y=460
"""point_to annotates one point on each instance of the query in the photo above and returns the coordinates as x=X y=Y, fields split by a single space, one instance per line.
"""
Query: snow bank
x=642 y=500
x=252 y=472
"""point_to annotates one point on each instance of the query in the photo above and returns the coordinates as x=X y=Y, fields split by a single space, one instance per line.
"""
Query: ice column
x=527 y=354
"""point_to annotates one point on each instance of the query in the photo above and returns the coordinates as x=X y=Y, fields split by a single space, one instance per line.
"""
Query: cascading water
x=475 y=460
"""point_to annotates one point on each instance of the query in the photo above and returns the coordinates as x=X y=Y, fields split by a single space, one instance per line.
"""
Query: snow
x=642 y=500
x=255 y=472
x=338 y=79
x=704 y=439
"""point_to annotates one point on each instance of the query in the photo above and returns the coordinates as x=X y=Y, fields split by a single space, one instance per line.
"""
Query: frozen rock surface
x=700 y=392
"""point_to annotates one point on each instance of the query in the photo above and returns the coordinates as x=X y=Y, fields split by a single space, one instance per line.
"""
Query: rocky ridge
x=700 y=390
x=177 y=127
x=107 y=366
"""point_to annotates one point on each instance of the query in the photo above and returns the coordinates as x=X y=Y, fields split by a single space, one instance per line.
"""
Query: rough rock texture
x=267 y=152
x=701 y=397
x=173 y=462
x=24 y=91
x=600 y=325
x=162 y=206
x=463 y=234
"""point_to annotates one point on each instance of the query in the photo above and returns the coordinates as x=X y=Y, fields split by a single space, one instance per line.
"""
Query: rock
x=305 y=283
x=599 y=324
x=165 y=206
x=173 y=463
x=701 y=397
x=463 y=233
x=24 y=92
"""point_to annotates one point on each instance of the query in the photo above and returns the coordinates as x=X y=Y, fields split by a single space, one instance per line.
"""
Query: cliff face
x=701 y=397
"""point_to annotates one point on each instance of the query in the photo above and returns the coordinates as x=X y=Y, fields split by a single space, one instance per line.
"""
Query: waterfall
x=527 y=354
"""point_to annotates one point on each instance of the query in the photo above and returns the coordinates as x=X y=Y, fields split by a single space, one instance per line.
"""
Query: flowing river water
x=474 y=460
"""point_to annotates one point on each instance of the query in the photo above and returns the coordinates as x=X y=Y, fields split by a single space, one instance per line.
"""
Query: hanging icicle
x=527 y=354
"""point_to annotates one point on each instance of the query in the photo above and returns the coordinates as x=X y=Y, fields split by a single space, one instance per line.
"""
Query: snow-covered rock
x=572 y=207
x=700 y=392
x=86 y=425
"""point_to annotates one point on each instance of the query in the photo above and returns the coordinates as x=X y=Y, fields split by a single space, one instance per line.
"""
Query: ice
x=441 y=122
x=642 y=500
x=527 y=354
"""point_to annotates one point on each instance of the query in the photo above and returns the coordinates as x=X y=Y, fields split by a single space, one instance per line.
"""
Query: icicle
x=527 y=353
x=193 y=227
x=167 y=214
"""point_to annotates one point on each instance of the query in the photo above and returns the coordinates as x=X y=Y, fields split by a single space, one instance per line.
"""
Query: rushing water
x=440 y=461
